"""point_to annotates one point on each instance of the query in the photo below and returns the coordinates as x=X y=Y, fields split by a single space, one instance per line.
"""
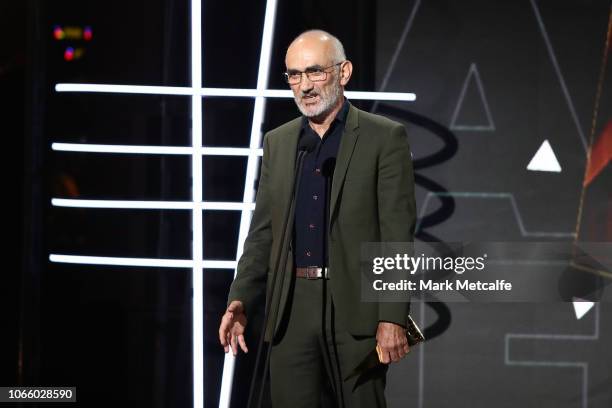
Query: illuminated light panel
x=223 y=92
x=152 y=205
x=106 y=260
x=142 y=262
x=197 y=228
x=144 y=149
x=126 y=89
x=251 y=172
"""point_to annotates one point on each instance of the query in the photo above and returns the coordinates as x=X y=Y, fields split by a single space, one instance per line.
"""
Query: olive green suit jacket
x=372 y=200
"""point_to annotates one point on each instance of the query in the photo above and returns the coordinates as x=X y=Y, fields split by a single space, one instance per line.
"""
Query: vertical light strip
x=197 y=228
x=249 y=190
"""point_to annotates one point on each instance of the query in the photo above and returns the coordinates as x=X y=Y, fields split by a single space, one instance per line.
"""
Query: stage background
x=495 y=81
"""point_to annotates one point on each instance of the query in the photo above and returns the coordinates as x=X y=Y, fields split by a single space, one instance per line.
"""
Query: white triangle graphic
x=582 y=307
x=544 y=159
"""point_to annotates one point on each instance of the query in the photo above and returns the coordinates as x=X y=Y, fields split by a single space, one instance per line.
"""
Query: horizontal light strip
x=164 y=90
x=147 y=262
x=381 y=96
x=211 y=205
x=102 y=148
x=125 y=89
x=224 y=92
x=105 y=260
x=140 y=149
x=152 y=205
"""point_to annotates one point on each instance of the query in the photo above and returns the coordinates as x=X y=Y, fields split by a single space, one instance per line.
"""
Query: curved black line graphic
x=447 y=202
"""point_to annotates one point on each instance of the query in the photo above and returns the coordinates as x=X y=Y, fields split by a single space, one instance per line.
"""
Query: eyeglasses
x=294 y=77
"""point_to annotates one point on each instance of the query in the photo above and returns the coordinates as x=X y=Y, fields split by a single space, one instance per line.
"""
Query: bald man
x=319 y=328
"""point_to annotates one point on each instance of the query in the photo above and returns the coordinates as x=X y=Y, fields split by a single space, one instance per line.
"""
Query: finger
x=226 y=323
x=385 y=356
x=406 y=349
x=223 y=330
x=242 y=342
x=394 y=355
x=227 y=341
x=222 y=336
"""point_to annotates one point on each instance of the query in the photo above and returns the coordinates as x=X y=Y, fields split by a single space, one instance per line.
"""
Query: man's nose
x=305 y=84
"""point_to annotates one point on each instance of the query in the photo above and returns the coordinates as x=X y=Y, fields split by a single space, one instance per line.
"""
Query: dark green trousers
x=313 y=353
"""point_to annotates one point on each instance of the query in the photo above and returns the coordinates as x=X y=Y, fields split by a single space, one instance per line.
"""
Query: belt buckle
x=314 y=270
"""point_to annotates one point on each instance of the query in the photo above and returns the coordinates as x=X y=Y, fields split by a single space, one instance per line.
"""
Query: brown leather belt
x=312 y=272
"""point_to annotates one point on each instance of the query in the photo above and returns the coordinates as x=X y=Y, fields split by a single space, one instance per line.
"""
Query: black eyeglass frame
x=308 y=73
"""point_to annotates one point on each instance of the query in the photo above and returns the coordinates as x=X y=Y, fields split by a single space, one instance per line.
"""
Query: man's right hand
x=231 y=330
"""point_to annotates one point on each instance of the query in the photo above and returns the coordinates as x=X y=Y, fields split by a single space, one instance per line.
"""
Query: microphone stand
x=279 y=268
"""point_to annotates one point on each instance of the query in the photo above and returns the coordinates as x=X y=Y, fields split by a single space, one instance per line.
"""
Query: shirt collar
x=340 y=116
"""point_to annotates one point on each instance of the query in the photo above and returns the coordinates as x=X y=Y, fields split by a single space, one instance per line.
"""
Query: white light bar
x=197 y=279
x=153 y=205
x=145 y=262
x=263 y=74
x=140 y=149
x=125 y=89
x=104 y=148
x=222 y=92
x=381 y=96
x=127 y=204
x=106 y=260
x=210 y=264
x=231 y=151
x=218 y=205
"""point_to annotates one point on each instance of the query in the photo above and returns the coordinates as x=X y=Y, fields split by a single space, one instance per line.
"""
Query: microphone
x=327 y=169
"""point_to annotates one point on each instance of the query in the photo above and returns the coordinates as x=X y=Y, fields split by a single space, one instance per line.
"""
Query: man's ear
x=346 y=70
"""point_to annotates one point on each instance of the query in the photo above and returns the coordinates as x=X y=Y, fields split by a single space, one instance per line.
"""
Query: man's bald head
x=321 y=41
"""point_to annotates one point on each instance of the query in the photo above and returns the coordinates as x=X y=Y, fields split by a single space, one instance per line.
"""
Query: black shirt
x=309 y=227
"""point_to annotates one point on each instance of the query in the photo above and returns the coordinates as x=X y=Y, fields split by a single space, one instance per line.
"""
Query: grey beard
x=327 y=104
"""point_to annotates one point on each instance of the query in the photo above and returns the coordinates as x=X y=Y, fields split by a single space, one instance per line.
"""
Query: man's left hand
x=392 y=341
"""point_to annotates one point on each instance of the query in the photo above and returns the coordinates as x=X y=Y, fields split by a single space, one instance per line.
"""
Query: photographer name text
x=436 y=286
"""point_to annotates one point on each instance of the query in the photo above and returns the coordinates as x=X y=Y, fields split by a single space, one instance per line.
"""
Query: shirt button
x=308 y=253
x=315 y=197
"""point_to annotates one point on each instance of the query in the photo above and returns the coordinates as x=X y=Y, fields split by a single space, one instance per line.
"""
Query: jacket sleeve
x=249 y=285
x=396 y=207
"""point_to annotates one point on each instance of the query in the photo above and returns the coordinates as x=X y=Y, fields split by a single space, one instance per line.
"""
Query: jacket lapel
x=288 y=156
x=345 y=151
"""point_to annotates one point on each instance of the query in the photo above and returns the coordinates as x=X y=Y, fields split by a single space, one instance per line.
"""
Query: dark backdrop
x=493 y=82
